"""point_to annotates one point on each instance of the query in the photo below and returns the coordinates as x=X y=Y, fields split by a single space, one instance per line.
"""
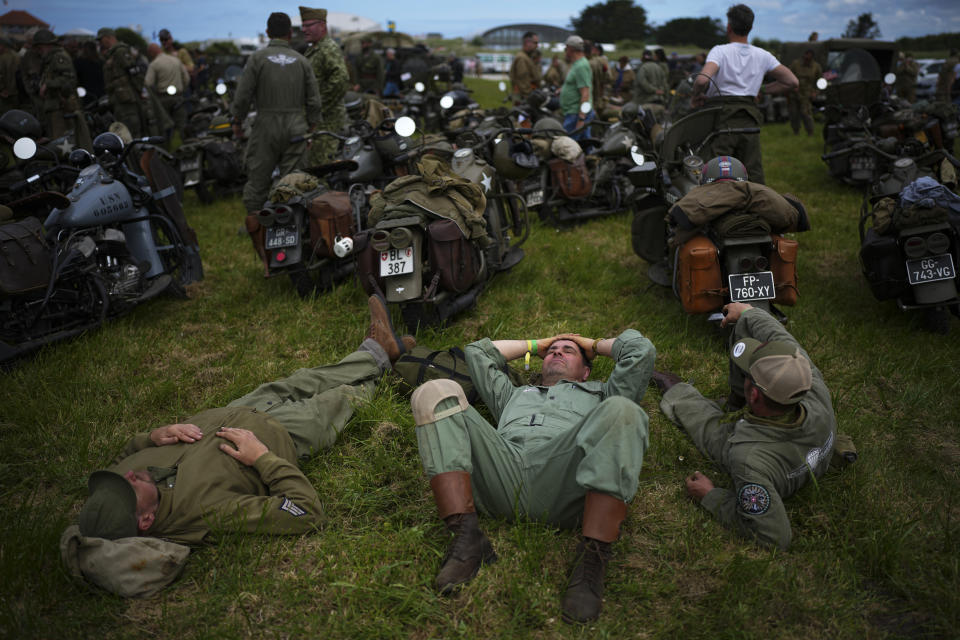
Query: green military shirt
x=649 y=79
x=532 y=415
x=807 y=76
x=524 y=74
x=330 y=70
x=203 y=489
x=122 y=75
x=60 y=81
x=278 y=80
x=370 y=72
x=768 y=460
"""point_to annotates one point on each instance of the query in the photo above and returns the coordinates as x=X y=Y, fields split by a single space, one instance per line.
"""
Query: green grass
x=875 y=552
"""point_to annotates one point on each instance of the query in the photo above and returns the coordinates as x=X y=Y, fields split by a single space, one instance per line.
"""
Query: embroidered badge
x=754 y=499
x=291 y=508
x=281 y=59
x=738 y=349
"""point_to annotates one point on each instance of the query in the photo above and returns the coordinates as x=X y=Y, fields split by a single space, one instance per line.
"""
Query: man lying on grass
x=564 y=452
x=238 y=463
x=782 y=439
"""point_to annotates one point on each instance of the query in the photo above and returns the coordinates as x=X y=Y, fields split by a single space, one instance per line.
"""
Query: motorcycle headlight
x=636 y=156
x=446 y=102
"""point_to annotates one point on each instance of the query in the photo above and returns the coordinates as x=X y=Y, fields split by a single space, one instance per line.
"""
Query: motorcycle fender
x=935 y=292
x=369 y=166
x=409 y=285
x=142 y=247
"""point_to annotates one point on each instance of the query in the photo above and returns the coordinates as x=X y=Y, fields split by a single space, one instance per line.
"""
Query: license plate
x=395 y=262
x=751 y=286
x=931 y=269
x=282 y=236
x=535 y=198
x=862 y=163
x=190 y=165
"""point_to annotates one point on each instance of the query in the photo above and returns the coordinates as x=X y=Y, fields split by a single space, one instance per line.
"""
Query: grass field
x=876 y=551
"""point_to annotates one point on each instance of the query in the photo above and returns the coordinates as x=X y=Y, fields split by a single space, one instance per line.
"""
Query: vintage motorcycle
x=115 y=240
x=437 y=239
x=909 y=240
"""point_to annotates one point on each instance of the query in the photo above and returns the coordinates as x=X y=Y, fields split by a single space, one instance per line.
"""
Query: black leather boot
x=468 y=551
x=584 y=596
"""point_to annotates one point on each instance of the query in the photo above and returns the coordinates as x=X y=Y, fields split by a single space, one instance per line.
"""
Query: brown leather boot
x=381 y=329
x=602 y=515
x=470 y=548
x=257 y=236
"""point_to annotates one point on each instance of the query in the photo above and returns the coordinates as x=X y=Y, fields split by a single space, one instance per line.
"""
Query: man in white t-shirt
x=731 y=78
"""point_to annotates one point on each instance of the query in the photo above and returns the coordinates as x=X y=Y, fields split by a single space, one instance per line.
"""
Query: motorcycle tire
x=420 y=315
x=304 y=283
x=936 y=320
x=205 y=191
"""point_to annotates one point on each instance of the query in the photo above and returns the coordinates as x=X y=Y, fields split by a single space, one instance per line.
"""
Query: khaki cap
x=777 y=368
x=306 y=13
x=111 y=510
x=575 y=43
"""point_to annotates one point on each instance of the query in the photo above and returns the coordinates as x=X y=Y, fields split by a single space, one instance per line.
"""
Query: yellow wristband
x=526 y=361
x=529 y=346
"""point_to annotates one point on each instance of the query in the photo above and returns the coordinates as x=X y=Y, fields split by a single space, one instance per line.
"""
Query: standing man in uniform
x=369 y=69
x=281 y=83
x=9 y=65
x=600 y=71
x=946 y=77
x=781 y=440
x=330 y=70
x=577 y=88
x=907 y=78
x=651 y=85
x=31 y=70
x=181 y=54
x=179 y=481
x=524 y=72
x=565 y=452
x=800 y=102
x=624 y=78
x=59 y=103
x=123 y=77
x=166 y=71
x=738 y=69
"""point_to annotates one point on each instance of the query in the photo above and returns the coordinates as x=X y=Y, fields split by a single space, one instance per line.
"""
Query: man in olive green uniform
x=330 y=69
x=182 y=481
x=907 y=73
x=946 y=77
x=651 y=83
x=566 y=451
x=281 y=83
x=166 y=71
x=731 y=79
x=624 y=79
x=31 y=70
x=779 y=442
x=9 y=64
x=60 y=105
x=799 y=102
x=524 y=72
x=555 y=73
x=369 y=70
x=123 y=77
x=601 y=76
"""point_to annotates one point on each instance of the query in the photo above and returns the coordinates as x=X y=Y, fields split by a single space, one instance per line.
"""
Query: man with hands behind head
x=781 y=439
x=566 y=451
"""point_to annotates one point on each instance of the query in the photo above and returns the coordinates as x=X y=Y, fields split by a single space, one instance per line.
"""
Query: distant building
x=434 y=36
x=13 y=24
x=510 y=36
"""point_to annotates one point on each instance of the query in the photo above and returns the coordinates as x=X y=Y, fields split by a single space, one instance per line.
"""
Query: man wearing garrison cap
x=330 y=69
x=781 y=438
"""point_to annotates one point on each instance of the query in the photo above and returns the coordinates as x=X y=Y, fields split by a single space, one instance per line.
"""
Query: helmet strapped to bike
x=723 y=169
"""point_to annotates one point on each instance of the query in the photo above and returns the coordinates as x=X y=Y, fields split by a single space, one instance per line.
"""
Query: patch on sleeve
x=754 y=499
x=290 y=507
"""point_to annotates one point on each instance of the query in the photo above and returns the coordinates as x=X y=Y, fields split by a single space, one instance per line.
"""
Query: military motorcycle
x=909 y=240
x=114 y=241
x=437 y=239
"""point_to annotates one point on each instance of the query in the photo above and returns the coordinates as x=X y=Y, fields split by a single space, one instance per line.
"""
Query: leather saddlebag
x=331 y=216
x=699 y=279
x=25 y=257
x=783 y=264
x=368 y=263
x=452 y=255
x=572 y=178
x=883 y=266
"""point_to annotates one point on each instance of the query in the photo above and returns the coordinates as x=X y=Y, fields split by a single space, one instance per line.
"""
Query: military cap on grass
x=306 y=13
x=777 y=368
x=111 y=510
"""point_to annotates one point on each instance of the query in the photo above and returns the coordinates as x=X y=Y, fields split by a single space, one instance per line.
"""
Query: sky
x=188 y=20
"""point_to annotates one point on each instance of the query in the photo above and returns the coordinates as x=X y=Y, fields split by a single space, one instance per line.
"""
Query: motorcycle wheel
x=420 y=315
x=936 y=320
x=173 y=255
x=204 y=189
x=304 y=284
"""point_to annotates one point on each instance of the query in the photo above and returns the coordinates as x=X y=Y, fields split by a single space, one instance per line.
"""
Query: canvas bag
x=421 y=364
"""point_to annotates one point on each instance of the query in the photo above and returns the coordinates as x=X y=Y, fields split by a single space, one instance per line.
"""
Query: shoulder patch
x=290 y=507
x=754 y=499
